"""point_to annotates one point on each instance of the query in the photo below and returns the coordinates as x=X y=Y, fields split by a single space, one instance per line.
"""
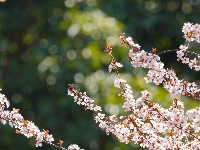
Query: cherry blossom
x=28 y=128
x=191 y=32
x=149 y=124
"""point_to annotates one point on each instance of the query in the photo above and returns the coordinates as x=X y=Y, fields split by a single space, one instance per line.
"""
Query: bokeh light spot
x=112 y=109
x=96 y=35
x=88 y=26
x=194 y=2
x=43 y=43
x=113 y=40
x=51 y=80
x=54 y=68
x=78 y=77
x=150 y=5
x=110 y=21
x=28 y=39
x=52 y=49
x=93 y=88
x=99 y=74
x=86 y=53
x=73 y=30
x=48 y=61
x=69 y=3
x=186 y=8
x=51 y=20
x=172 y=5
x=71 y=54
x=16 y=98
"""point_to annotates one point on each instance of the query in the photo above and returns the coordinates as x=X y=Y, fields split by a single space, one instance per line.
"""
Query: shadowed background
x=45 y=45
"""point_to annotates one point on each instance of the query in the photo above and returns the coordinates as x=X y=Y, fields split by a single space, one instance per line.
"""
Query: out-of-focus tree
x=45 y=45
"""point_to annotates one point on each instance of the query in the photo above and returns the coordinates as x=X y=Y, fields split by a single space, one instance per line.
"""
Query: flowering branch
x=148 y=124
x=27 y=128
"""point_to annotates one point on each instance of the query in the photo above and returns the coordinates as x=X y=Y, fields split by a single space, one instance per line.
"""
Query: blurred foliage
x=45 y=45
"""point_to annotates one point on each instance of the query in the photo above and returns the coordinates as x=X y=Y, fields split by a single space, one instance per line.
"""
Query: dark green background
x=45 y=45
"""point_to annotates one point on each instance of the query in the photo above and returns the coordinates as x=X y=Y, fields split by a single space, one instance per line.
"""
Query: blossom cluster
x=191 y=34
x=157 y=73
x=149 y=124
x=27 y=128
